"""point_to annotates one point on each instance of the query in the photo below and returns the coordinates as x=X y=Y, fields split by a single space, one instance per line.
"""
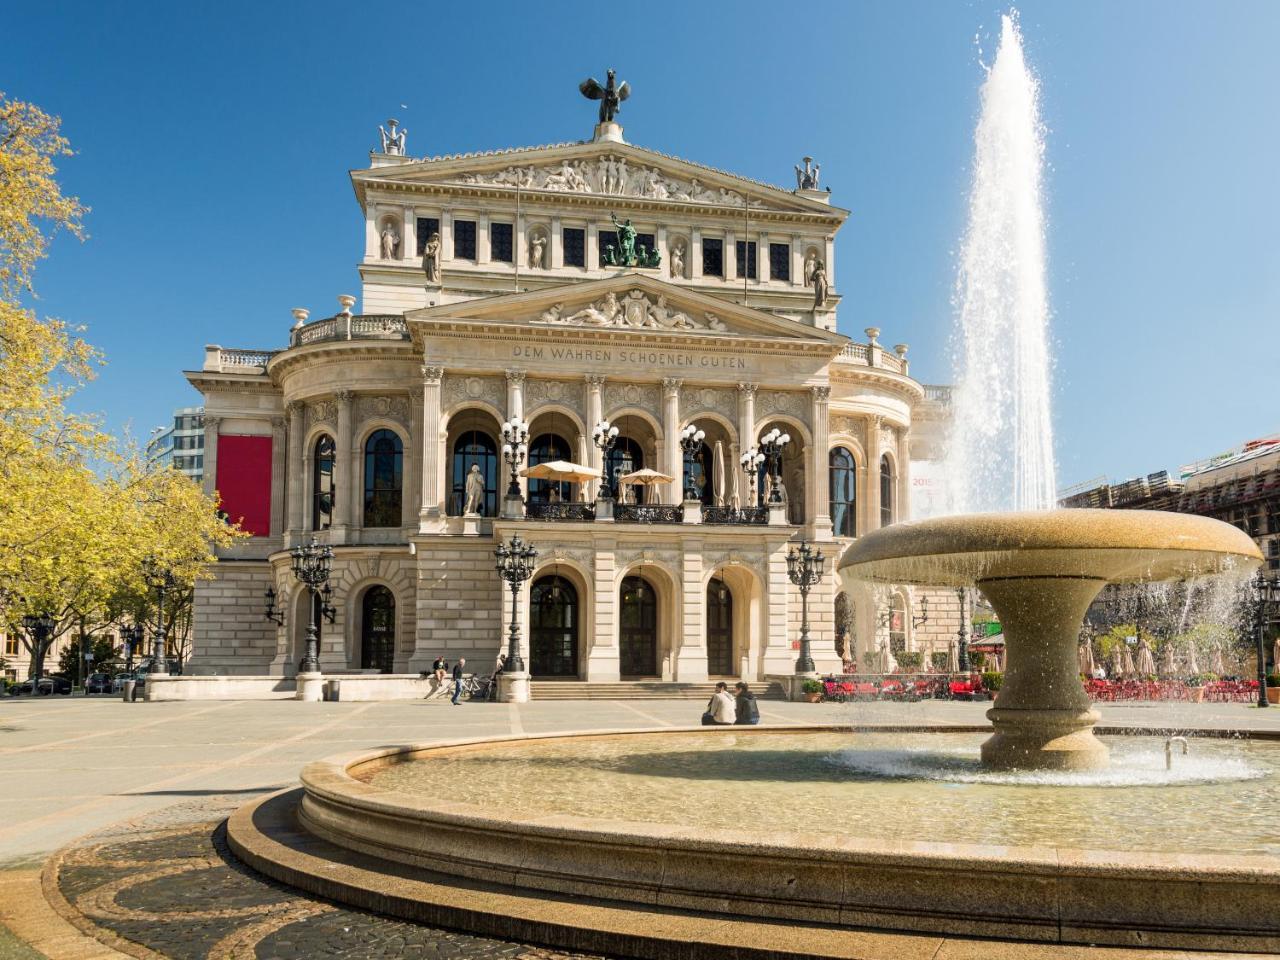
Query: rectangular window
x=464 y=239
x=10 y=646
x=747 y=259
x=779 y=261
x=575 y=247
x=426 y=227
x=712 y=257
x=607 y=239
x=500 y=247
x=1273 y=558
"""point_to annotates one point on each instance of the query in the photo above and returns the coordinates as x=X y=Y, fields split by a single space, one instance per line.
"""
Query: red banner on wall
x=244 y=481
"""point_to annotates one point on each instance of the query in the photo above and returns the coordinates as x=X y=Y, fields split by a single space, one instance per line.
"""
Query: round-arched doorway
x=719 y=629
x=378 y=630
x=553 y=628
x=638 y=628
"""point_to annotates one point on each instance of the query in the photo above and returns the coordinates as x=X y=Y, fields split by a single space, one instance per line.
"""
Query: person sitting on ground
x=457 y=679
x=748 y=714
x=721 y=708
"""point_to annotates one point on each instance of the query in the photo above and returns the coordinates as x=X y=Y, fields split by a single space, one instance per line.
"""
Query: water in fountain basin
x=1000 y=454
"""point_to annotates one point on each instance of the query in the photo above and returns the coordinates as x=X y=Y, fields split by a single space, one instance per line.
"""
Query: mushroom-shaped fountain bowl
x=1040 y=571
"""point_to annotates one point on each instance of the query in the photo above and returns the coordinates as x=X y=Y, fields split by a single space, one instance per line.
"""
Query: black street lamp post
x=751 y=461
x=690 y=442
x=515 y=565
x=772 y=445
x=962 y=632
x=132 y=636
x=515 y=440
x=38 y=628
x=311 y=567
x=605 y=436
x=1266 y=593
x=163 y=581
x=804 y=568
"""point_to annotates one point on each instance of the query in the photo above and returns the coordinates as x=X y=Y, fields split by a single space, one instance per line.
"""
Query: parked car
x=98 y=683
x=47 y=687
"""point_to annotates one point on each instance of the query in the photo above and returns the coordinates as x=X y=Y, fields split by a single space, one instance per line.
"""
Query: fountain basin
x=777 y=862
x=1040 y=571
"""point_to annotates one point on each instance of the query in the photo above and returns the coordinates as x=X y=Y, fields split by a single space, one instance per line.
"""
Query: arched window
x=383 y=479
x=638 y=628
x=378 y=630
x=474 y=447
x=719 y=629
x=322 y=489
x=844 y=492
x=625 y=457
x=553 y=628
x=886 y=492
x=898 y=624
x=545 y=448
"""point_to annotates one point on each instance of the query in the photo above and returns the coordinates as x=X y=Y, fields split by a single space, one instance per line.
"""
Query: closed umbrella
x=887 y=663
x=717 y=472
x=1275 y=656
x=1216 y=664
x=1086 y=659
x=953 y=657
x=1146 y=662
x=1193 y=665
x=1168 y=666
x=735 y=497
x=1126 y=662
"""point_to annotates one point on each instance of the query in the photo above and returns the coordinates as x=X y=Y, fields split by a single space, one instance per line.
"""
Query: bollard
x=129 y=693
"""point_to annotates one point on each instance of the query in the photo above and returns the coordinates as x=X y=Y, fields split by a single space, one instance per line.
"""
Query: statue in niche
x=537 y=247
x=393 y=139
x=390 y=242
x=677 y=259
x=431 y=258
x=807 y=179
x=475 y=492
x=610 y=95
x=626 y=241
x=810 y=260
x=819 y=284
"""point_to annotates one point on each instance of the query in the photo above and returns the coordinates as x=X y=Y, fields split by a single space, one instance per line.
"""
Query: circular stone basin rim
x=335 y=779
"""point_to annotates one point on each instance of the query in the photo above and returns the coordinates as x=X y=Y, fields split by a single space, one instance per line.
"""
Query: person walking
x=748 y=713
x=721 y=708
x=457 y=679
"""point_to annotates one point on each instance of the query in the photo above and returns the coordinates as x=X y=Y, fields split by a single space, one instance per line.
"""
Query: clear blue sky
x=214 y=142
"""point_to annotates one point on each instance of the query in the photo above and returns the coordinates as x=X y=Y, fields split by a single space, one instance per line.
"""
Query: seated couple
x=725 y=710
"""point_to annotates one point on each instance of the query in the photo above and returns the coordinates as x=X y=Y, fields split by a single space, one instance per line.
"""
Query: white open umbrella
x=564 y=470
x=717 y=472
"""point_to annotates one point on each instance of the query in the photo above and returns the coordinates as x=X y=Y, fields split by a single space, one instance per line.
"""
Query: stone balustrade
x=347 y=326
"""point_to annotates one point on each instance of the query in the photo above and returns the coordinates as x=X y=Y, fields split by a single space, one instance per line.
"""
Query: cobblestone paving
x=169 y=883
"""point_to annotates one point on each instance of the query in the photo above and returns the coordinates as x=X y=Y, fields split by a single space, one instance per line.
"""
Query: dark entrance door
x=719 y=629
x=553 y=628
x=638 y=640
x=378 y=630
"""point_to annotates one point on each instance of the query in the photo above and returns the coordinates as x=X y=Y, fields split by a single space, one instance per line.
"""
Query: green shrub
x=938 y=661
x=977 y=660
x=991 y=680
x=1273 y=679
x=910 y=659
x=812 y=686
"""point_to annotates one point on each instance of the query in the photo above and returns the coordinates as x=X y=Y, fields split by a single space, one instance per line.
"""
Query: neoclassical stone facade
x=492 y=290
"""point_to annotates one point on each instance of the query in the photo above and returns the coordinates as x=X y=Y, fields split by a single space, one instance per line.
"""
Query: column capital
x=595 y=379
x=748 y=389
x=212 y=421
x=821 y=393
x=295 y=408
x=671 y=386
x=513 y=376
x=277 y=424
x=432 y=374
x=343 y=396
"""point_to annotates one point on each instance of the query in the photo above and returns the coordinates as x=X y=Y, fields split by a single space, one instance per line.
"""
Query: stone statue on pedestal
x=610 y=95
x=626 y=241
x=431 y=258
x=475 y=492
x=819 y=284
x=393 y=139
x=390 y=241
x=809 y=262
x=677 y=259
x=537 y=244
x=807 y=179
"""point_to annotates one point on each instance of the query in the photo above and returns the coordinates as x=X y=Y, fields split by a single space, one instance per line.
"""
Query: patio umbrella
x=1126 y=662
x=1193 y=665
x=1215 y=661
x=735 y=498
x=717 y=472
x=1146 y=662
x=1168 y=666
x=887 y=663
x=1086 y=659
x=646 y=478
x=1275 y=656
x=564 y=470
x=953 y=657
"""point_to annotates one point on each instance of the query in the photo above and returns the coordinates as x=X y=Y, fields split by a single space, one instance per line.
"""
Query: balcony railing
x=867 y=355
x=750 y=516
x=560 y=511
x=936 y=393
x=648 y=513
x=369 y=326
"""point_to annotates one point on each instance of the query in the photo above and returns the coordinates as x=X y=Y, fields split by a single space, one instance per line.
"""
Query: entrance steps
x=641 y=690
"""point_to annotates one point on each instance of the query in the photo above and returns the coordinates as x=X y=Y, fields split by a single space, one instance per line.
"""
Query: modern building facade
x=563 y=286
x=181 y=444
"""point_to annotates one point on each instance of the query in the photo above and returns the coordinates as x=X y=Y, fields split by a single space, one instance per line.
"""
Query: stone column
x=904 y=475
x=372 y=242
x=591 y=255
x=671 y=436
x=446 y=236
x=210 y=481
x=410 y=499
x=296 y=467
x=873 y=474
x=595 y=413
x=746 y=435
x=731 y=256
x=690 y=660
x=483 y=249
x=829 y=261
x=555 y=245
x=797 y=260
x=819 y=492
x=602 y=640
x=344 y=482
x=409 y=236
x=695 y=254
x=777 y=656
x=279 y=473
x=430 y=511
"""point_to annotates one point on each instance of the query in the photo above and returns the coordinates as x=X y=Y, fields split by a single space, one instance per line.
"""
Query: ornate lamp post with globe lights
x=310 y=564
x=750 y=462
x=515 y=447
x=162 y=580
x=38 y=628
x=1265 y=593
x=515 y=561
x=690 y=443
x=804 y=568
x=605 y=436
x=771 y=445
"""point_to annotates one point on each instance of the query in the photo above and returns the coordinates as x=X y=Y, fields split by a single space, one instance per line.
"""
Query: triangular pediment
x=601 y=169
x=634 y=303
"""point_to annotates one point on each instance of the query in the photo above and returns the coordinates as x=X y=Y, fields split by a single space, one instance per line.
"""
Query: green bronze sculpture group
x=626 y=253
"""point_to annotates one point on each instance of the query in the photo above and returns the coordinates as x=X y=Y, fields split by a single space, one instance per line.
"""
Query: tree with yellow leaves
x=78 y=514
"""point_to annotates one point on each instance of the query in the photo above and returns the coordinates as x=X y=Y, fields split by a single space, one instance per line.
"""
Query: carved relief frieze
x=720 y=400
x=611 y=176
x=644 y=396
x=634 y=309
x=888 y=438
x=460 y=389
x=565 y=392
x=774 y=402
x=667 y=559
x=392 y=408
x=584 y=557
x=322 y=411
x=849 y=427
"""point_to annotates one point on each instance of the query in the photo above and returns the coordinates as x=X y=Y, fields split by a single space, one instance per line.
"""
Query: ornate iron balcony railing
x=753 y=516
x=648 y=513
x=560 y=511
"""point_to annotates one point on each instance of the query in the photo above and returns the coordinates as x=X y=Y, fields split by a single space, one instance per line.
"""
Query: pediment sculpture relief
x=634 y=309
x=608 y=175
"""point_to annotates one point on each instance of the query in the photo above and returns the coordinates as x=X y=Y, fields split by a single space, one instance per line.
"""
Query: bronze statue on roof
x=610 y=95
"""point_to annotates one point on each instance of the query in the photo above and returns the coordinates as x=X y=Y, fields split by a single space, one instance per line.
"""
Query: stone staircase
x=641 y=690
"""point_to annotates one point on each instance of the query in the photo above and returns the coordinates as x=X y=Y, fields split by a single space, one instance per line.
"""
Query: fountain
x=1041 y=571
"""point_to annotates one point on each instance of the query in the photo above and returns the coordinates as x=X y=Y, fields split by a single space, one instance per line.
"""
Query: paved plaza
x=131 y=797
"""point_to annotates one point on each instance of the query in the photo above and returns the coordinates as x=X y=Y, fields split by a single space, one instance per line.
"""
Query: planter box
x=1196 y=694
x=1273 y=694
x=813 y=698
